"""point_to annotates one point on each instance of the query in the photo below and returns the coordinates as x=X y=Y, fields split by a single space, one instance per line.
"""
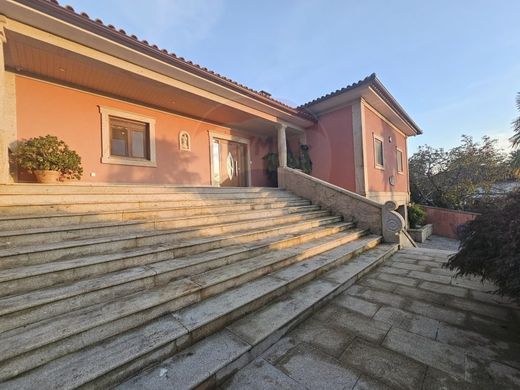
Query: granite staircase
x=101 y=284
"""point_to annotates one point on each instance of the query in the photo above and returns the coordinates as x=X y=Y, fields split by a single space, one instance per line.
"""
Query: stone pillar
x=282 y=146
x=5 y=115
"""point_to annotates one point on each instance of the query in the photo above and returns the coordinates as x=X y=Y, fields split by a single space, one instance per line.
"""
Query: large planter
x=422 y=233
x=47 y=176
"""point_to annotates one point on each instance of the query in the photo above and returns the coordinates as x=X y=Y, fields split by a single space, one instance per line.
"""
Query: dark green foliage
x=305 y=159
x=515 y=139
x=301 y=161
x=47 y=153
x=271 y=167
x=455 y=178
x=490 y=246
x=416 y=215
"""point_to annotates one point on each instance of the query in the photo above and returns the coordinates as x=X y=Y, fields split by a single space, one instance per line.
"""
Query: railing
x=380 y=219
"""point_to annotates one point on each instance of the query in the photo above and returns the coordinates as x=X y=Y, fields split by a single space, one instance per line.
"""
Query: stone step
x=108 y=363
x=210 y=361
x=63 y=219
x=69 y=198
x=38 y=303
x=24 y=348
x=65 y=188
x=32 y=209
x=87 y=230
x=187 y=238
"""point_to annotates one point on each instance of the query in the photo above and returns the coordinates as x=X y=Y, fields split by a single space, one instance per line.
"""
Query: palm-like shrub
x=490 y=246
x=47 y=153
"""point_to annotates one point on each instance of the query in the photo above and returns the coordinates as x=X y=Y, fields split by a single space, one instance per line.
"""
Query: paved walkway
x=406 y=325
x=438 y=242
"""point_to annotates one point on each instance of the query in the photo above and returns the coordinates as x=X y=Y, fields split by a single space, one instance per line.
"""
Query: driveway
x=406 y=325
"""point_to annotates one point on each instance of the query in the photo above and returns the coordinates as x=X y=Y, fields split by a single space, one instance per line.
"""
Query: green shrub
x=416 y=215
x=271 y=167
x=47 y=153
x=490 y=246
x=301 y=161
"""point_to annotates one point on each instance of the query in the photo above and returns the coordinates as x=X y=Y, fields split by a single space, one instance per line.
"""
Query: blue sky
x=453 y=65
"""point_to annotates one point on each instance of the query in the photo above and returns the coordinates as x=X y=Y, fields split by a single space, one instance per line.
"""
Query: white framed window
x=400 y=162
x=379 y=155
x=127 y=138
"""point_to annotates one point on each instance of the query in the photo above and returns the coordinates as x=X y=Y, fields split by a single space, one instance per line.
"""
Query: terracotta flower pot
x=46 y=176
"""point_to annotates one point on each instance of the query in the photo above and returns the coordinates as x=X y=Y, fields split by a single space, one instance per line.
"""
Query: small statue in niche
x=184 y=141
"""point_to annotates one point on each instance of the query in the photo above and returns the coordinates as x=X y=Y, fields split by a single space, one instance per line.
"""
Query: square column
x=7 y=109
x=4 y=131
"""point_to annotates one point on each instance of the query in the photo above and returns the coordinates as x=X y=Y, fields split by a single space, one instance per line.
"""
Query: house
x=147 y=256
x=138 y=114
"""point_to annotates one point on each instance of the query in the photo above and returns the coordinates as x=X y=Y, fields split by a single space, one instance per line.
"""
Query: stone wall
x=446 y=222
x=353 y=207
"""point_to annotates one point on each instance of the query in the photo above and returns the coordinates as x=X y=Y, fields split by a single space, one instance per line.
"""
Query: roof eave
x=82 y=21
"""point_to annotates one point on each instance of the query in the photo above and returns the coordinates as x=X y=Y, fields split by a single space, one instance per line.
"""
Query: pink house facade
x=139 y=114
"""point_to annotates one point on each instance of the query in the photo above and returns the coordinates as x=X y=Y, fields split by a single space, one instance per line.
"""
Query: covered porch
x=196 y=131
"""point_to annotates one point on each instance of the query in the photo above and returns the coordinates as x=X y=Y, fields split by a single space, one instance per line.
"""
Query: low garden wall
x=445 y=221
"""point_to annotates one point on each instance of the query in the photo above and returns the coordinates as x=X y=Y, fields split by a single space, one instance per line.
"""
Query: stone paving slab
x=408 y=324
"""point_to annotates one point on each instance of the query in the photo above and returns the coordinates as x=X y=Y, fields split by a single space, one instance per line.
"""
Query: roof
x=379 y=88
x=97 y=26
x=360 y=83
x=83 y=20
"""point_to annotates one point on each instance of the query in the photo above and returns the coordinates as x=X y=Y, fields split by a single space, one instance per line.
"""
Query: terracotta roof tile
x=366 y=80
x=197 y=67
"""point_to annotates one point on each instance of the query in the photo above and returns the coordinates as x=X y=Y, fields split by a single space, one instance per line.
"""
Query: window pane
x=379 y=152
x=129 y=138
x=119 y=142
x=399 y=161
x=138 y=144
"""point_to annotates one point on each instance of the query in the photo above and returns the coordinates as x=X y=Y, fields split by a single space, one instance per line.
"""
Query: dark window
x=129 y=138
x=399 y=160
x=378 y=146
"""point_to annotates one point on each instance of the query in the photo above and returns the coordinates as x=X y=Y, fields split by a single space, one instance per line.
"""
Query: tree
x=514 y=162
x=490 y=246
x=454 y=178
x=515 y=139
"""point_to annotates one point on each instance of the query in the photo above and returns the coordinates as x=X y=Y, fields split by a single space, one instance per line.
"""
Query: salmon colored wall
x=378 y=180
x=331 y=148
x=446 y=222
x=72 y=115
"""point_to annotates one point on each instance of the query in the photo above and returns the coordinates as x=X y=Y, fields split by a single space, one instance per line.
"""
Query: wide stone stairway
x=98 y=284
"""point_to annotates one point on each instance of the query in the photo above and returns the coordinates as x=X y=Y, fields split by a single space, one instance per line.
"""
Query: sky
x=453 y=65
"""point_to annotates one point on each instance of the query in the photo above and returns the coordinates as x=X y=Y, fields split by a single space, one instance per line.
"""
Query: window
x=378 y=152
x=128 y=138
x=399 y=155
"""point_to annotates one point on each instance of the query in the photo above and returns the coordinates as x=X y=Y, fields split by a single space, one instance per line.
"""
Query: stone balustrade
x=380 y=218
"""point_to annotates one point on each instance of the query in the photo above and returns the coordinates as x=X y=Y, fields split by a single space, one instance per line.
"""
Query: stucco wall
x=378 y=179
x=446 y=222
x=331 y=148
x=72 y=115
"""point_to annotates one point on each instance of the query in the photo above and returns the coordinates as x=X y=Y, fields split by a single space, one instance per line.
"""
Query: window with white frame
x=379 y=158
x=400 y=162
x=128 y=138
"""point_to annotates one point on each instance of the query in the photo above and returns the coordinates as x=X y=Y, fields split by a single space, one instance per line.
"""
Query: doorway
x=229 y=161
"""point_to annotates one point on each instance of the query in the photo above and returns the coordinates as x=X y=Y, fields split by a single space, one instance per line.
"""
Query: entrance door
x=229 y=163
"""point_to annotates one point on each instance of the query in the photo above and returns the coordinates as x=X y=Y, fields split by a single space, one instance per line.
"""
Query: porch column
x=7 y=109
x=282 y=146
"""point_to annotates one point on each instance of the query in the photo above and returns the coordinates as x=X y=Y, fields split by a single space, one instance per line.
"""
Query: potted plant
x=416 y=220
x=48 y=158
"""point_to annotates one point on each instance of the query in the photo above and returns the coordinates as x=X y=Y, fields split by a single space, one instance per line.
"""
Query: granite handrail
x=367 y=214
